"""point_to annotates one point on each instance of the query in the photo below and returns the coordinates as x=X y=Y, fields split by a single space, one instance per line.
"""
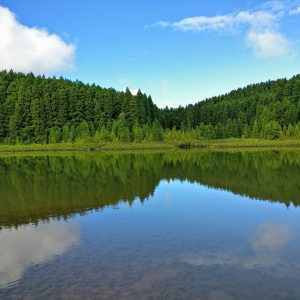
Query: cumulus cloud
x=29 y=49
x=268 y=43
x=260 y=27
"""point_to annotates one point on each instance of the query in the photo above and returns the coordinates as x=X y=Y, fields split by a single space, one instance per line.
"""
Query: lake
x=173 y=225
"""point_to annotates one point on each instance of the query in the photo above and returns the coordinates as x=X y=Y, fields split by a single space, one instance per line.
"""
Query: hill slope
x=35 y=109
x=246 y=110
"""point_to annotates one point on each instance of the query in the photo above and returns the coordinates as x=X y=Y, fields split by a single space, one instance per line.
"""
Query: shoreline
x=165 y=146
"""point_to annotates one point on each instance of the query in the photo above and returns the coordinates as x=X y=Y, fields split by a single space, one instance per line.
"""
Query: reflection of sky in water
x=184 y=236
x=29 y=245
x=267 y=244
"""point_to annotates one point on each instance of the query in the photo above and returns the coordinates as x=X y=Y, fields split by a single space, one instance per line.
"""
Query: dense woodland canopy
x=36 y=109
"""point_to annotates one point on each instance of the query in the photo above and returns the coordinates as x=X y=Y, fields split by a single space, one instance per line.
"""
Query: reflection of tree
x=34 y=188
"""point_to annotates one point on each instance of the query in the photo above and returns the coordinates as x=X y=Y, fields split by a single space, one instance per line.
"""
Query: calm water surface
x=186 y=225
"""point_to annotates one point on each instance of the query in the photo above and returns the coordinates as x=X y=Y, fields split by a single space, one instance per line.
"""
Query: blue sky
x=179 y=51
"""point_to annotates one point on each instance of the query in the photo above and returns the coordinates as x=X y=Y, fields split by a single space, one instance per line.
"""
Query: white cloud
x=159 y=24
x=226 y=22
x=295 y=11
x=268 y=44
x=275 y=6
x=203 y=23
x=28 y=49
x=259 y=27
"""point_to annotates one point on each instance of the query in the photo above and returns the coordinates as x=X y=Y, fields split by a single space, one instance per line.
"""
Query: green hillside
x=36 y=109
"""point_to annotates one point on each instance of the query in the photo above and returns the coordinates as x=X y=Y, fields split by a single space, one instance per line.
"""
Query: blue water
x=186 y=240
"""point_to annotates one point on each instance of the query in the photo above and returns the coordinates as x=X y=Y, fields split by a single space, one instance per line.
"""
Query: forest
x=40 y=110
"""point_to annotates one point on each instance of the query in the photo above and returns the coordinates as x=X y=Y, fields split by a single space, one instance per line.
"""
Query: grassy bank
x=204 y=144
x=85 y=147
x=247 y=143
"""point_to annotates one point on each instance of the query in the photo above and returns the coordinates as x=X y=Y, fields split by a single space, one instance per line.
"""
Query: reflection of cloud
x=28 y=245
x=267 y=245
x=210 y=257
x=271 y=235
x=268 y=242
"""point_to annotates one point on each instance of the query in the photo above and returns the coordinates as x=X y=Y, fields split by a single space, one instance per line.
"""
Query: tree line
x=266 y=110
x=36 y=109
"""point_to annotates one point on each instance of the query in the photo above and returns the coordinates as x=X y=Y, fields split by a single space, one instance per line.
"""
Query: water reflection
x=265 y=246
x=269 y=242
x=29 y=245
x=187 y=226
x=38 y=188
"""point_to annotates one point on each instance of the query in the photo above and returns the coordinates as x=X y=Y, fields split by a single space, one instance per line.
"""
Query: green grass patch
x=204 y=144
